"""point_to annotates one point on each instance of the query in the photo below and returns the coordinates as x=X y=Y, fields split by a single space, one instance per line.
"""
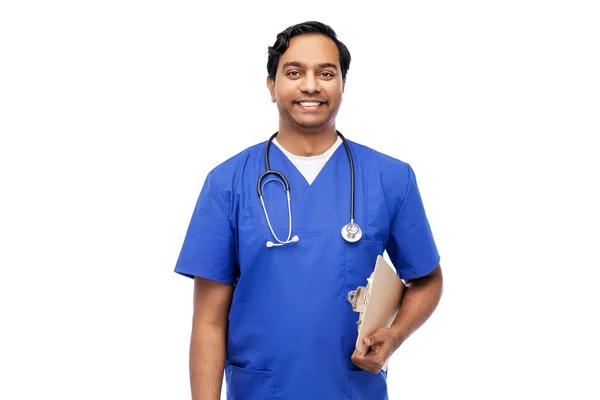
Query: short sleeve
x=411 y=246
x=208 y=247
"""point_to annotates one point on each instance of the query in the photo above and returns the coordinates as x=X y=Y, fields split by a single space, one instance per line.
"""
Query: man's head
x=306 y=28
x=307 y=68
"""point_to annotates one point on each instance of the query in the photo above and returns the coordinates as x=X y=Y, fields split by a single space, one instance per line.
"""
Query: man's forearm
x=421 y=298
x=207 y=360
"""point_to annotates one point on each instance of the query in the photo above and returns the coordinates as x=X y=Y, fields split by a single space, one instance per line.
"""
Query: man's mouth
x=310 y=103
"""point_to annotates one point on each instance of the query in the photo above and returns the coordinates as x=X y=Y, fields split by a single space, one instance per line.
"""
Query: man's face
x=308 y=86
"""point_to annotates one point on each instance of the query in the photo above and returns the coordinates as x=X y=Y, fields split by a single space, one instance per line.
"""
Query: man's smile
x=310 y=105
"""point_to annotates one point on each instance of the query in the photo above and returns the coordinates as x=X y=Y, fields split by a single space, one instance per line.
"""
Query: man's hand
x=383 y=343
x=421 y=297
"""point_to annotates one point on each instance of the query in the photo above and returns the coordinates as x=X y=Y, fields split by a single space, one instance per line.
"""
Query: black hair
x=306 y=28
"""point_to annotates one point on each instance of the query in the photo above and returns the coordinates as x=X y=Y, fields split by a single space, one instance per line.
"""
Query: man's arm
x=421 y=297
x=212 y=301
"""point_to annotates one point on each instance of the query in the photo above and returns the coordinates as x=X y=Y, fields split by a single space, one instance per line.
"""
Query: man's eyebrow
x=327 y=65
x=292 y=64
x=298 y=64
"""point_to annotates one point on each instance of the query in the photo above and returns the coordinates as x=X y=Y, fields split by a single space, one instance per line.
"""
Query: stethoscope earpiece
x=350 y=232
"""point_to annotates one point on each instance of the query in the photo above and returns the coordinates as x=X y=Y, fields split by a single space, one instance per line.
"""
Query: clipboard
x=378 y=302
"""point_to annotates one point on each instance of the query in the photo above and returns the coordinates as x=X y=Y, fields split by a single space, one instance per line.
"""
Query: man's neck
x=307 y=143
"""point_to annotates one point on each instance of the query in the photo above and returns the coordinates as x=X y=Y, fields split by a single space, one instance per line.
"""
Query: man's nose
x=310 y=84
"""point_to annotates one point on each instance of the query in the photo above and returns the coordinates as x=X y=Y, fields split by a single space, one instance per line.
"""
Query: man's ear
x=271 y=87
x=343 y=85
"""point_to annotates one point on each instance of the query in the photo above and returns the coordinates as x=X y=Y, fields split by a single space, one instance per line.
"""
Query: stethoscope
x=350 y=232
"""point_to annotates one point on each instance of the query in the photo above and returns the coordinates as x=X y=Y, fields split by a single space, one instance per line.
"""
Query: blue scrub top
x=292 y=330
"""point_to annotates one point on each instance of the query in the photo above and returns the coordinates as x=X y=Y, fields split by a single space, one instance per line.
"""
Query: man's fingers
x=356 y=357
x=370 y=362
x=375 y=348
x=379 y=336
x=379 y=343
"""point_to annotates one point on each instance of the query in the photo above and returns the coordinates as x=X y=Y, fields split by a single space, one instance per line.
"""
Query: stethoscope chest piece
x=351 y=232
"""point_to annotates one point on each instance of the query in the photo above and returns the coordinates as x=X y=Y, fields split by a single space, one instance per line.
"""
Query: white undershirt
x=310 y=167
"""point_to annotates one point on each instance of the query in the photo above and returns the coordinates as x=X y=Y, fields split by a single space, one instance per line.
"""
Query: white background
x=106 y=113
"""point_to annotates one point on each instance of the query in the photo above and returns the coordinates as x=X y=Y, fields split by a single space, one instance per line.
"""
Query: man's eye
x=327 y=74
x=294 y=73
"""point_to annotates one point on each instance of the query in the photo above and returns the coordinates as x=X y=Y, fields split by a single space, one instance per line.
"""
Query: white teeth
x=309 y=103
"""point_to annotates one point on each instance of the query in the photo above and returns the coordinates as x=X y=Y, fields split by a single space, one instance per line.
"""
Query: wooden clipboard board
x=378 y=302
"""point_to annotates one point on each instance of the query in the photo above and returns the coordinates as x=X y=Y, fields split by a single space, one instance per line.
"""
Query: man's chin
x=311 y=124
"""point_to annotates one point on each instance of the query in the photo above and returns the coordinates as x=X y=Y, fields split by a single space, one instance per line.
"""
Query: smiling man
x=307 y=88
x=284 y=230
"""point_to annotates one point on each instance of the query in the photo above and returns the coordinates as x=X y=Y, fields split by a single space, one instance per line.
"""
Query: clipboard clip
x=359 y=299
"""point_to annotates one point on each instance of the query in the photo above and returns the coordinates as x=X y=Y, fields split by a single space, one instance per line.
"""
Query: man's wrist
x=399 y=335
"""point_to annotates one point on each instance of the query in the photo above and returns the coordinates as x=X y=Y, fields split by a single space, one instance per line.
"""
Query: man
x=271 y=269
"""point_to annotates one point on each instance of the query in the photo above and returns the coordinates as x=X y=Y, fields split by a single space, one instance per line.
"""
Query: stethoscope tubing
x=269 y=171
x=350 y=232
x=351 y=175
x=286 y=184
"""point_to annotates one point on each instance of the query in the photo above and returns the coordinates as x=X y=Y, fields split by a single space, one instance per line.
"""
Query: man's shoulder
x=377 y=157
x=393 y=173
x=241 y=156
x=233 y=167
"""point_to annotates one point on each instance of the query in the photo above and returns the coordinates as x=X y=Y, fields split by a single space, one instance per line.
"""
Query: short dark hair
x=306 y=28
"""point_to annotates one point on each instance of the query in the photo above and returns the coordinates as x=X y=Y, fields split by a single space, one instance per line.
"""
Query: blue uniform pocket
x=368 y=386
x=247 y=384
x=360 y=261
